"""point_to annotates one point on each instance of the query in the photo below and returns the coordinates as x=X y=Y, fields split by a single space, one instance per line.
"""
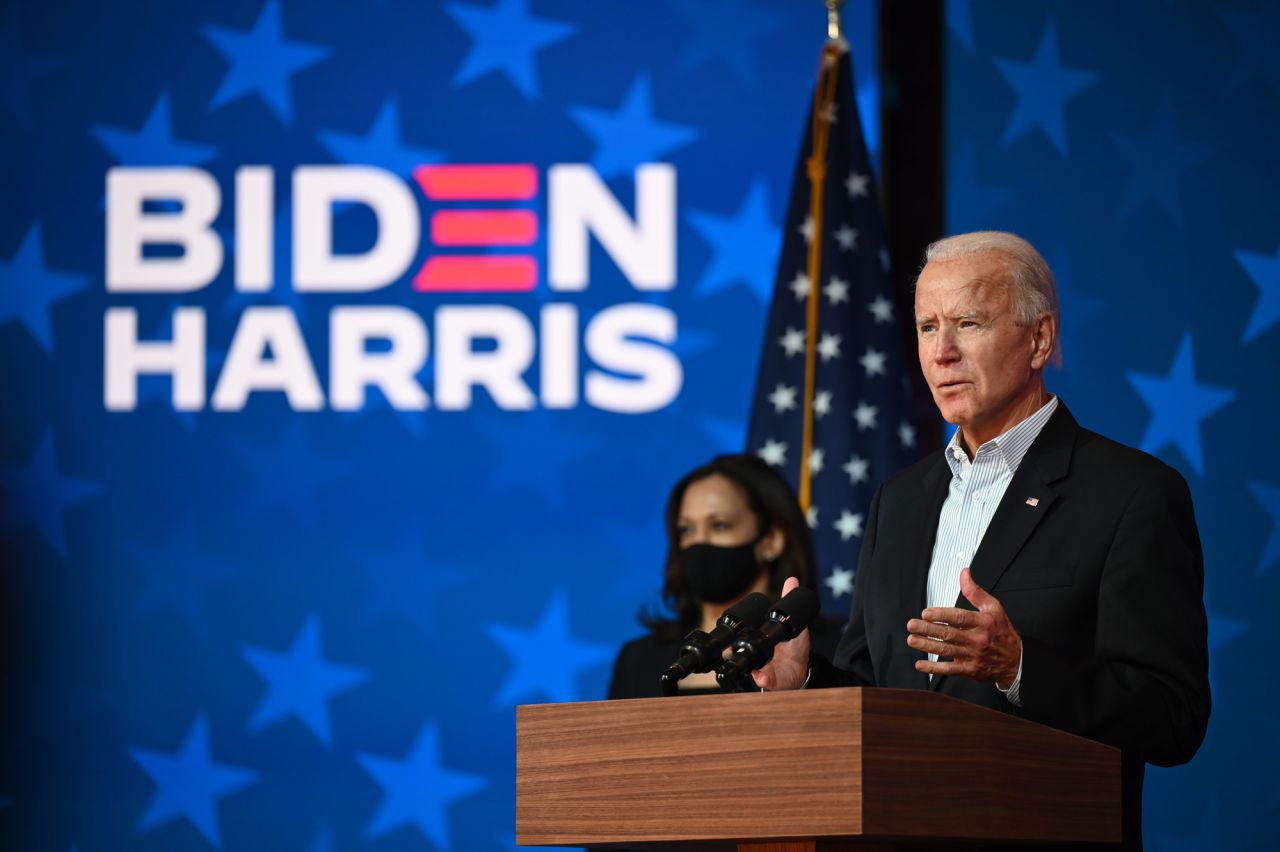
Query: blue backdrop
x=274 y=623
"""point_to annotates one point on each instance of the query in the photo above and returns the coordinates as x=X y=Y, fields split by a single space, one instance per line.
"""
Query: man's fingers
x=943 y=632
x=951 y=615
x=942 y=668
x=934 y=646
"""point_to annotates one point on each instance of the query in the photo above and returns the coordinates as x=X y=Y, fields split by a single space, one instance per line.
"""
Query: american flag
x=858 y=396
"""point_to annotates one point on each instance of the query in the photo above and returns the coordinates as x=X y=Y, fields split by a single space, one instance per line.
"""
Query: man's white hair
x=1034 y=291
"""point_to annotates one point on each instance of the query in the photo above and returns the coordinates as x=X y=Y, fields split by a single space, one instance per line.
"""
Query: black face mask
x=719 y=574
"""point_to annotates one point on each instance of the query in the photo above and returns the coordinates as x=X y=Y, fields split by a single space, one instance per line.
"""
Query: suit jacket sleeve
x=1145 y=689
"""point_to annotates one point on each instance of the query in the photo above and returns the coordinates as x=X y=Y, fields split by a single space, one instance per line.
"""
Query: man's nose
x=945 y=350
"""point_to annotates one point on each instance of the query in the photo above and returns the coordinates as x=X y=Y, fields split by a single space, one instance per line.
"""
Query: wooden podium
x=807 y=770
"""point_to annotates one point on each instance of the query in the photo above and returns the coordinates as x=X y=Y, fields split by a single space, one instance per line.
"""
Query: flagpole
x=824 y=97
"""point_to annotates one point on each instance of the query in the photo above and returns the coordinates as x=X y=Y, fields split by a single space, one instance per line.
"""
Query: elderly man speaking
x=1033 y=566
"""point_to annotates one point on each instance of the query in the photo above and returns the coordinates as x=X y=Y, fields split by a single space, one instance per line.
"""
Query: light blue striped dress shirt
x=976 y=489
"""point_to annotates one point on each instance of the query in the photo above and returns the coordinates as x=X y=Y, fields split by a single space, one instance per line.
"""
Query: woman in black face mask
x=733 y=527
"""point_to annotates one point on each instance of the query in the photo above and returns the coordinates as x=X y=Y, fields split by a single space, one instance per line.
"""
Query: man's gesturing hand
x=789 y=667
x=982 y=645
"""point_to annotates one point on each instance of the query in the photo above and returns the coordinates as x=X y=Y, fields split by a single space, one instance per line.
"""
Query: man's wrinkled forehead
x=977 y=280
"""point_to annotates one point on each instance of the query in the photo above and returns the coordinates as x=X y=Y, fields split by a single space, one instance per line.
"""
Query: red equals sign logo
x=480 y=227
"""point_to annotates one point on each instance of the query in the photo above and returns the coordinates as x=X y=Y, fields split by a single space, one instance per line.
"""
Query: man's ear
x=1044 y=336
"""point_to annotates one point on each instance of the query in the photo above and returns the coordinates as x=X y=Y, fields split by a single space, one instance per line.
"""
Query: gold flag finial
x=833 y=20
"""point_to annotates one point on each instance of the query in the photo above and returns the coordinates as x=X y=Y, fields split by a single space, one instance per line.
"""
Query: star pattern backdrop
x=284 y=630
x=275 y=630
x=1148 y=179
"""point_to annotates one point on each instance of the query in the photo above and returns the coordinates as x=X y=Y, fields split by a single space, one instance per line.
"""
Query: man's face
x=982 y=366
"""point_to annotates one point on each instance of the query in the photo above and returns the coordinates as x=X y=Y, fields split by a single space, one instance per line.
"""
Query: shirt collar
x=1012 y=446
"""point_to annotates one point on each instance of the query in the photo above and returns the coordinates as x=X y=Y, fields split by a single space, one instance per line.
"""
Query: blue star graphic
x=404 y=581
x=1265 y=273
x=167 y=586
x=631 y=135
x=1178 y=406
x=322 y=841
x=19 y=68
x=727 y=436
x=300 y=682
x=728 y=30
x=505 y=38
x=547 y=660
x=153 y=144
x=418 y=789
x=262 y=61
x=291 y=477
x=744 y=245
x=37 y=494
x=28 y=288
x=1157 y=161
x=189 y=783
x=1269 y=497
x=382 y=145
x=1043 y=87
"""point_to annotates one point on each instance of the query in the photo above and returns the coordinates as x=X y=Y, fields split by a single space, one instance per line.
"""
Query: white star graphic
x=822 y=403
x=873 y=362
x=847 y=238
x=849 y=525
x=800 y=286
x=907 y=434
x=837 y=290
x=840 y=582
x=807 y=229
x=858 y=469
x=783 y=398
x=774 y=452
x=858 y=184
x=881 y=309
x=793 y=341
x=866 y=415
x=811 y=515
x=815 y=460
x=829 y=347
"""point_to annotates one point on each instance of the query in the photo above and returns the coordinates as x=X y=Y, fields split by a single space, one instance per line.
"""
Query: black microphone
x=755 y=648
x=702 y=651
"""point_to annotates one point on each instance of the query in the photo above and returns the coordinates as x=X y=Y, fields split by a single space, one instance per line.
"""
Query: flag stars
x=837 y=290
x=849 y=525
x=783 y=398
x=792 y=342
x=840 y=582
x=800 y=285
x=858 y=468
x=774 y=452
x=847 y=238
x=873 y=362
x=907 y=434
x=822 y=403
x=829 y=347
x=816 y=459
x=866 y=415
x=806 y=230
x=811 y=515
x=858 y=185
x=882 y=309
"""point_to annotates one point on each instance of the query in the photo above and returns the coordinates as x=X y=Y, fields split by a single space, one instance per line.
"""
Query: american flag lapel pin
x=1033 y=501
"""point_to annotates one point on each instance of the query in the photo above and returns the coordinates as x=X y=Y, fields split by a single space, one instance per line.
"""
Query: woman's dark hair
x=774 y=504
